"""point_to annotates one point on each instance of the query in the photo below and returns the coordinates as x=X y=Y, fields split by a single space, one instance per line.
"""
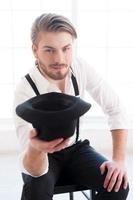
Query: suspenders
x=29 y=79
x=76 y=90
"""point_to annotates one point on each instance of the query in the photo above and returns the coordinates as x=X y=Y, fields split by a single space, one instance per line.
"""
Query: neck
x=61 y=85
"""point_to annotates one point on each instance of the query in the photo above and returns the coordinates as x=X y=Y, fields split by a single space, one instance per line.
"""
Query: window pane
x=92 y=5
x=120 y=29
x=22 y=62
x=121 y=4
x=5 y=5
x=6 y=100
x=26 y=5
x=57 y=5
x=6 y=73
x=5 y=32
x=92 y=29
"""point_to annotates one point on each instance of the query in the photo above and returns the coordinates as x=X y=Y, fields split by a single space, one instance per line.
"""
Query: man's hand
x=35 y=159
x=116 y=173
x=47 y=146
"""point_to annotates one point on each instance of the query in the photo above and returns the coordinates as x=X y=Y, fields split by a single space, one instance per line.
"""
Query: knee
x=39 y=188
x=42 y=182
x=121 y=194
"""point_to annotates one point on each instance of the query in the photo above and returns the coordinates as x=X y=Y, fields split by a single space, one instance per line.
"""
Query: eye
x=49 y=50
x=66 y=49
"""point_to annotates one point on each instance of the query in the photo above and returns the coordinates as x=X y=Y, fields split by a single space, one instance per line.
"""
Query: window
x=106 y=42
x=104 y=39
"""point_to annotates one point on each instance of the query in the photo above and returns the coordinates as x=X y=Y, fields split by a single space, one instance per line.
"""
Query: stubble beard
x=58 y=75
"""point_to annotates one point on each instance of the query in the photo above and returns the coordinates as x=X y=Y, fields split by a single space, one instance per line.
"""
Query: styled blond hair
x=51 y=23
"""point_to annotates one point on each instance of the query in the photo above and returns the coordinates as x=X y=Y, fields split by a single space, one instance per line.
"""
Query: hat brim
x=52 y=107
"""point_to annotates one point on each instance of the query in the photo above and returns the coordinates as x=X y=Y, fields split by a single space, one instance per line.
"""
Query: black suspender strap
x=76 y=90
x=75 y=85
x=27 y=76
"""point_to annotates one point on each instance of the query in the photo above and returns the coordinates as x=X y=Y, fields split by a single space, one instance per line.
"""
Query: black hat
x=54 y=115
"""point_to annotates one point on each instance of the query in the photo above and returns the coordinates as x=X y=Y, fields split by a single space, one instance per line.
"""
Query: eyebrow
x=49 y=47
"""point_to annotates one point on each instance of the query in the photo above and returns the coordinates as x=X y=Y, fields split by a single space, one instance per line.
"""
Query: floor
x=11 y=182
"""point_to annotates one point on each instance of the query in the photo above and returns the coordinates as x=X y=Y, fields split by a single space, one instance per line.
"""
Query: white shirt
x=88 y=80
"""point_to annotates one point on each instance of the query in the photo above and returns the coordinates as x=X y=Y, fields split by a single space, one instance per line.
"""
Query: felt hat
x=54 y=115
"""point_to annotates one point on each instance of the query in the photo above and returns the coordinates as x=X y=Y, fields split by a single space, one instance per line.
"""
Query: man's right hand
x=35 y=159
x=47 y=146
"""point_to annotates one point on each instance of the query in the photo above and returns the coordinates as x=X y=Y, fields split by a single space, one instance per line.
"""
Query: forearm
x=34 y=161
x=119 y=138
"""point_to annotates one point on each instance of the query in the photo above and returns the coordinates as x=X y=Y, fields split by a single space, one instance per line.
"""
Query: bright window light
x=105 y=41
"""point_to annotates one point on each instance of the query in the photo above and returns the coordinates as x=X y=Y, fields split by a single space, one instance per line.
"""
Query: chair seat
x=65 y=185
x=69 y=188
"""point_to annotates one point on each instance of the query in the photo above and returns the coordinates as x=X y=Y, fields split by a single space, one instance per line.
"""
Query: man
x=44 y=163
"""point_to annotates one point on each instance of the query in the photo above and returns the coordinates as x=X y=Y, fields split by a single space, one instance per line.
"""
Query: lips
x=58 y=67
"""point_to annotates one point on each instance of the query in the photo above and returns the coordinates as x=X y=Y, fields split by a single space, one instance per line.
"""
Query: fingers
x=113 y=179
x=33 y=133
x=52 y=145
x=57 y=145
x=108 y=178
x=116 y=175
x=47 y=146
x=55 y=142
x=62 y=145
x=125 y=181
x=119 y=182
x=116 y=180
x=102 y=168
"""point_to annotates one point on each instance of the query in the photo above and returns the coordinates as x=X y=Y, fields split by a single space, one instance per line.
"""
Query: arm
x=35 y=159
x=119 y=138
x=116 y=171
x=110 y=103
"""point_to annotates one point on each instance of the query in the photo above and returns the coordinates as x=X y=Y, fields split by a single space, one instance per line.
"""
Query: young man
x=44 y=163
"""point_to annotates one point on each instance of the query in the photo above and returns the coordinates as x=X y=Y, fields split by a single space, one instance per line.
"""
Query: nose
x=59 y=57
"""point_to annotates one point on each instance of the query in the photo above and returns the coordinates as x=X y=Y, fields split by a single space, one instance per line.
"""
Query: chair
x=60 y=189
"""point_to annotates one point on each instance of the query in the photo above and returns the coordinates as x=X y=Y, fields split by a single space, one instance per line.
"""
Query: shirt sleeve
x=22 y=93
x=105 y=96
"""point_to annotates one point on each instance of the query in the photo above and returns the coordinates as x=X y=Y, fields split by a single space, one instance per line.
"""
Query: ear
x=34 y=50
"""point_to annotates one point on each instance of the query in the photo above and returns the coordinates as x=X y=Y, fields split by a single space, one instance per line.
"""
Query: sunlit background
x=105 y=41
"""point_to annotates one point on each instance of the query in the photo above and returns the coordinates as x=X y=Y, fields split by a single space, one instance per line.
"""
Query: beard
x=54 y=71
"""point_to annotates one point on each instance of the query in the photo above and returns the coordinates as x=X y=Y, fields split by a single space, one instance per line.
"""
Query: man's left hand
x=116 y=174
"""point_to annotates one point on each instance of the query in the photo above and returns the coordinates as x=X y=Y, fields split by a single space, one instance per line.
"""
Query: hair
x=51 y=23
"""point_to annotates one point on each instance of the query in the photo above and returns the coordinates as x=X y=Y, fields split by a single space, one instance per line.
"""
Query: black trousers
x=78 y=164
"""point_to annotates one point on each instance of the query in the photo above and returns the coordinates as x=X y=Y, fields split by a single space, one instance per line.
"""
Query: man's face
x=53 y=52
